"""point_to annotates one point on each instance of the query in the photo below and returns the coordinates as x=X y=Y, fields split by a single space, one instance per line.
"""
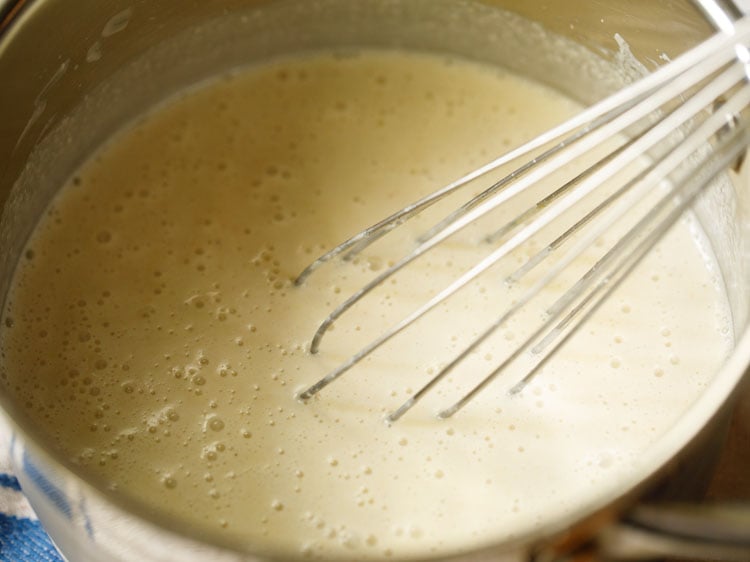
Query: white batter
x=154 y=333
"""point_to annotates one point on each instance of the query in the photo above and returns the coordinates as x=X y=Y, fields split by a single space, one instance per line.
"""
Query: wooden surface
x=732 y=477
x=731 y=480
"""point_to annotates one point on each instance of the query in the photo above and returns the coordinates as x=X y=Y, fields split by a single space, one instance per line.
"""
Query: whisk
x=686 y=118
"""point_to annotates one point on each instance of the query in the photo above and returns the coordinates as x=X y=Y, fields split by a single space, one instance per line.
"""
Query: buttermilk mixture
x=154 y=333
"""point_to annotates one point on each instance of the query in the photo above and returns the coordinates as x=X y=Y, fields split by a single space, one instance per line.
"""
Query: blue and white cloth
x=22 y=538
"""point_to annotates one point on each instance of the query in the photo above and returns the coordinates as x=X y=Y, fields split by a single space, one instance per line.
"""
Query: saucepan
x=73 y=71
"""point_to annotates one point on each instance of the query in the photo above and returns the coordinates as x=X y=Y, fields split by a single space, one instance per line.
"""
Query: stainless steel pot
x=72 y=72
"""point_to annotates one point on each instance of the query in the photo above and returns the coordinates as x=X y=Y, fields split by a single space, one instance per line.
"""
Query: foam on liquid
x=153 y=331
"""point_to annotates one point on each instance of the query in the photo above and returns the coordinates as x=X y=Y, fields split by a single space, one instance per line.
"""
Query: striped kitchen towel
x=22 y=538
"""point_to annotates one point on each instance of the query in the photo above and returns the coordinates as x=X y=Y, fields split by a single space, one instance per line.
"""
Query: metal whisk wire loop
x=678 y=118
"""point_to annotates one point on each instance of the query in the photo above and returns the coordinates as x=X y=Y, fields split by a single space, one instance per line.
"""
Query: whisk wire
x=646 y=181
x=694 y=81
x=730 y=149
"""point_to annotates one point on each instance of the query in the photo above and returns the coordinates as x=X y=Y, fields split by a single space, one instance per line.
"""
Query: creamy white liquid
x=153 y=331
